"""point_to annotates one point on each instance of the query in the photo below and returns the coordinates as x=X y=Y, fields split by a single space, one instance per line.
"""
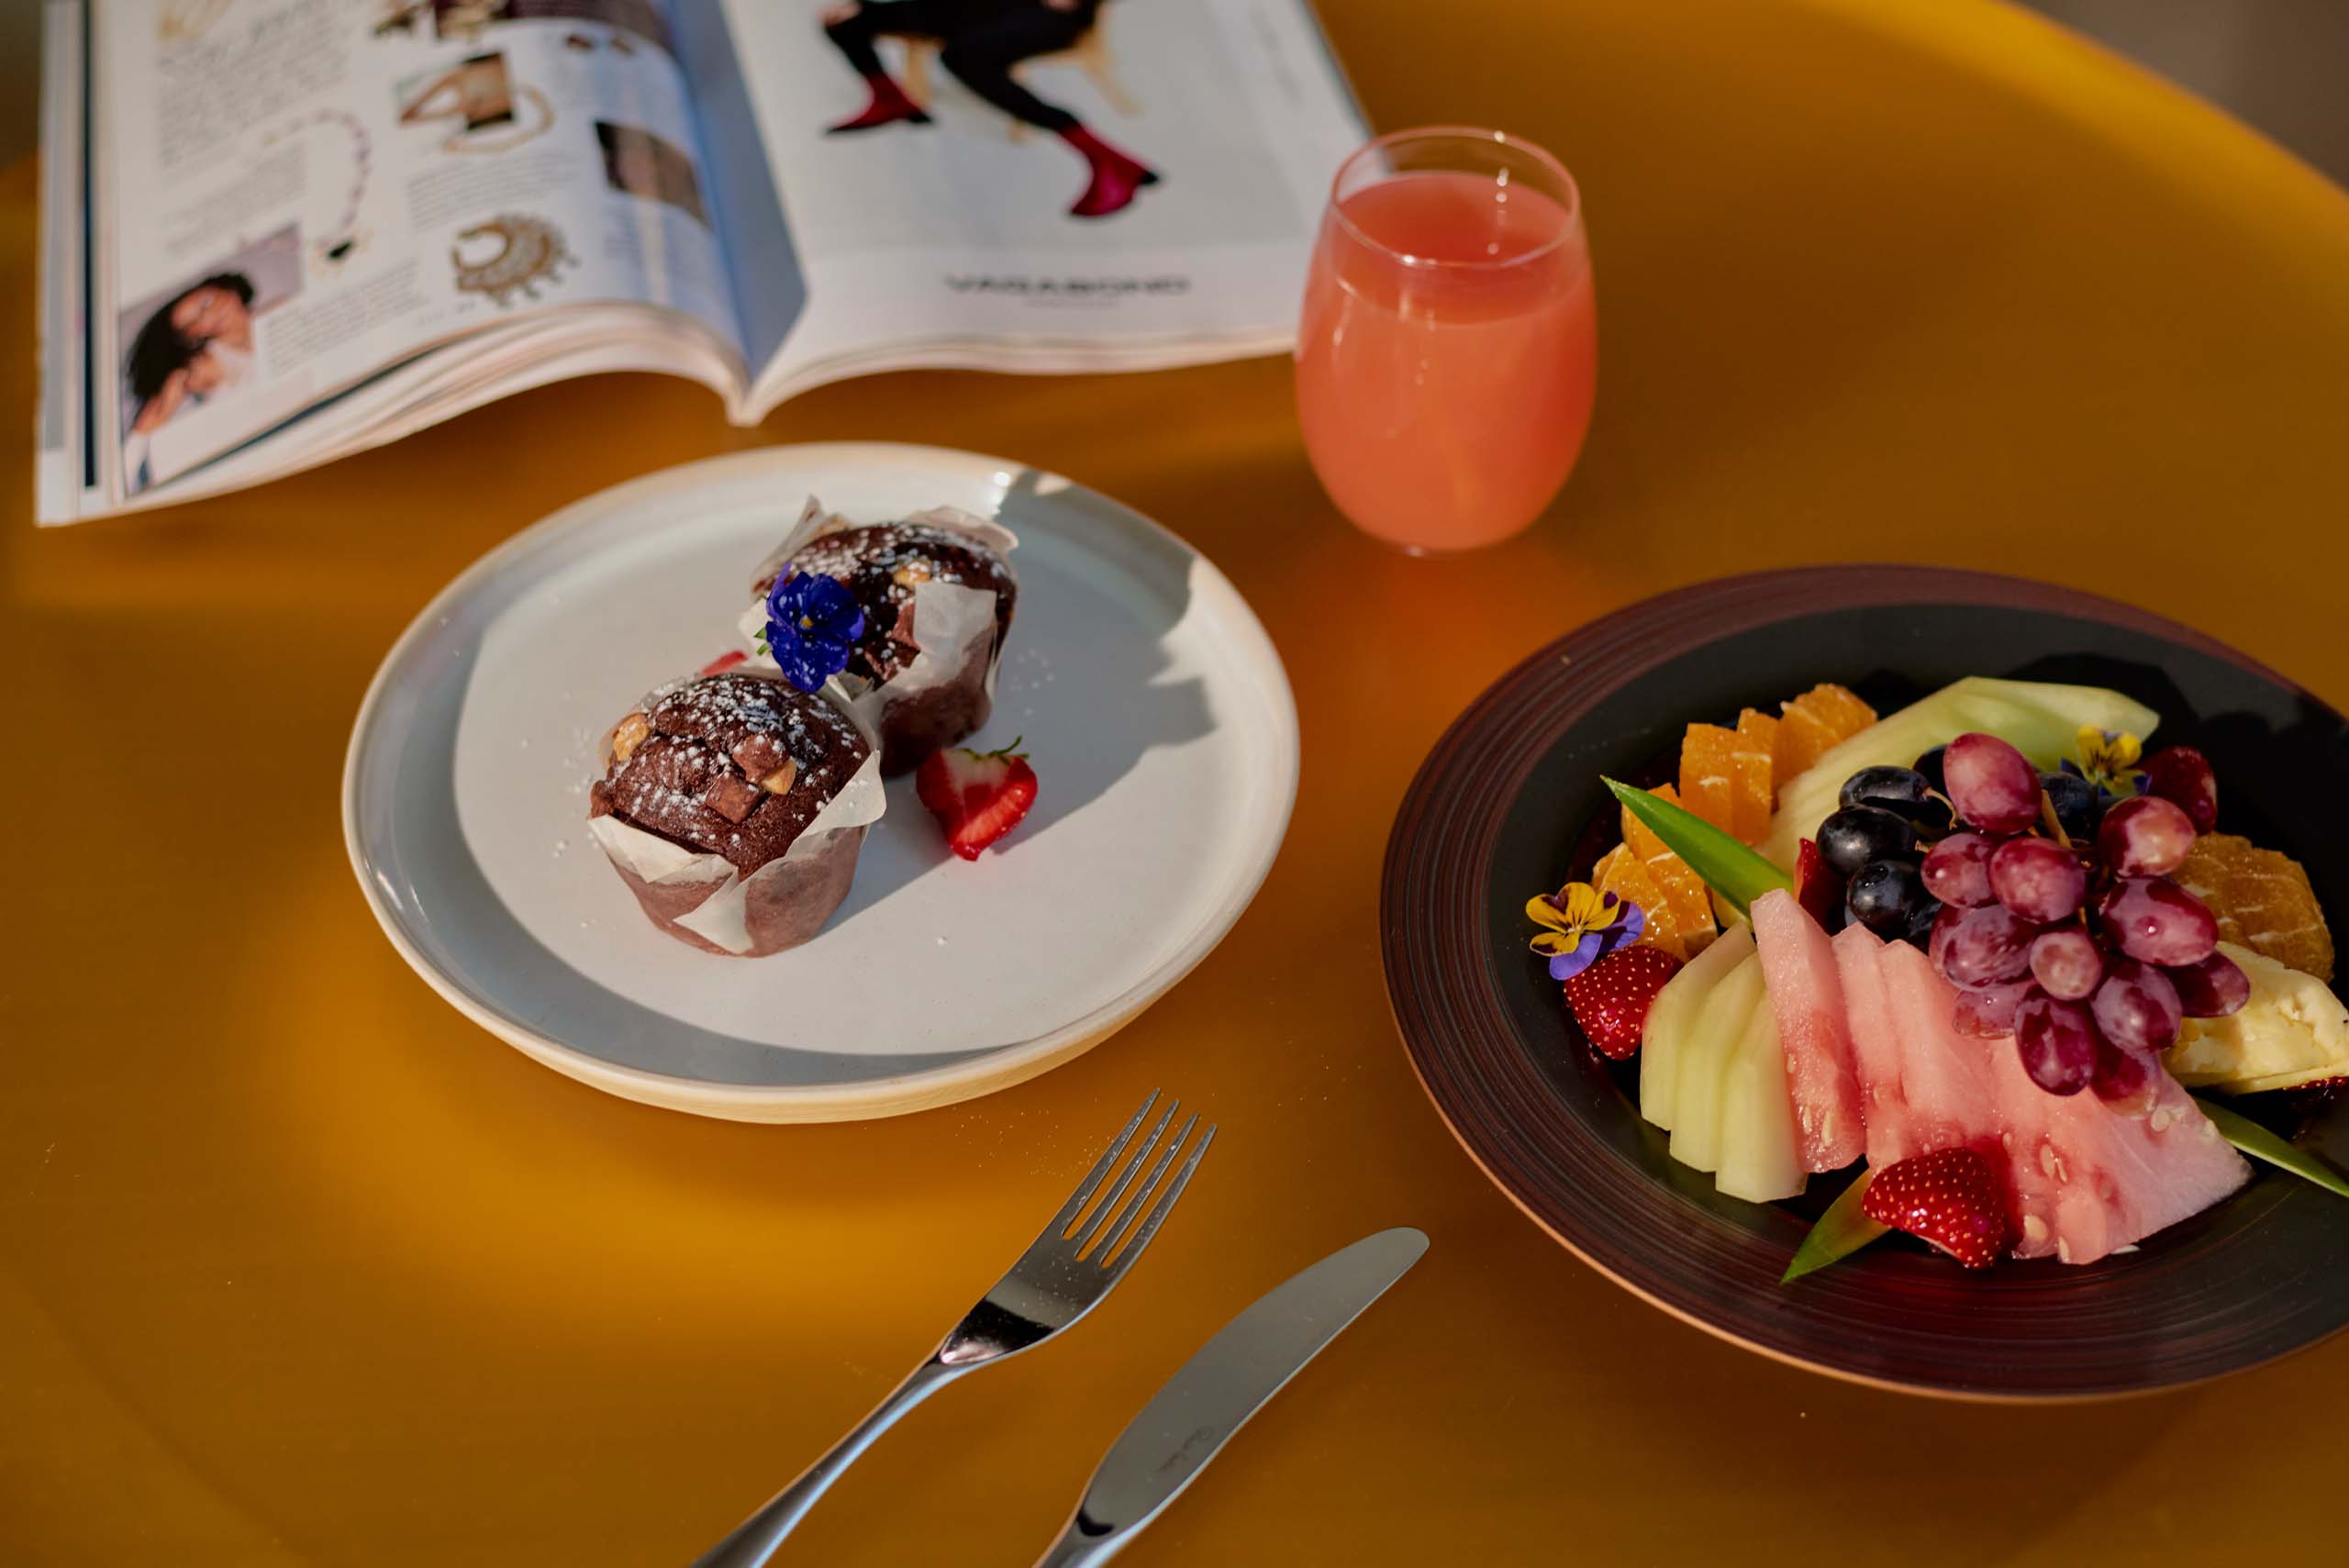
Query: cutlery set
x=1075 y=1262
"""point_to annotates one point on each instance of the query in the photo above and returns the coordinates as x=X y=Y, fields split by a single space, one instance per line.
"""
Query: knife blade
x=1249 y=1359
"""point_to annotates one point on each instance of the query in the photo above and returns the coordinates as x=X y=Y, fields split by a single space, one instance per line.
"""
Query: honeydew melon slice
x=1761 y=1158
x=1705 y=1057
x=1675 y=1012
x=2040 y=721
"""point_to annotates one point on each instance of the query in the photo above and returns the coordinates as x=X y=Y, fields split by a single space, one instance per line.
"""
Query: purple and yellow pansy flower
x=2107 y=760
x=1581 y=926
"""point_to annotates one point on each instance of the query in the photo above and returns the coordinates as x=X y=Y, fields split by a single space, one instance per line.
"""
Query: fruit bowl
x=1511 y=800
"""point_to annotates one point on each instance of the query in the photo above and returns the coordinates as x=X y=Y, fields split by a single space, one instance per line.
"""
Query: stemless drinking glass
x=1449 y=349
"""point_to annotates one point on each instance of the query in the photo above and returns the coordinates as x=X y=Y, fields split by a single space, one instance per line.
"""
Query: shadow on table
x=1085 y=682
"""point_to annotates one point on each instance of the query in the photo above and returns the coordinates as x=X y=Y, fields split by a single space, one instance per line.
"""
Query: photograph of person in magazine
x=280 y=231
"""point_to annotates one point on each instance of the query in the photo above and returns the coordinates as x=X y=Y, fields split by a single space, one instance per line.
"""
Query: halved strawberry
x=977 y=797
x=1610 y=998
x=1817 y=887
x=724 y=662
x=1950 y=1197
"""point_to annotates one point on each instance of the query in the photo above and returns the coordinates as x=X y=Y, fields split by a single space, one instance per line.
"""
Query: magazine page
x=770 y=289
x=1077 y=175
x=65 y=468
x=291 y=196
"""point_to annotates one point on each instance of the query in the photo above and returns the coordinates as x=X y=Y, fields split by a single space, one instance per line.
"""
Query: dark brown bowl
x=1509 y=804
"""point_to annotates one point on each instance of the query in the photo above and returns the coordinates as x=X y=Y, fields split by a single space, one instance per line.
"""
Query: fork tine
x=1086 y=1223
x=1107 y=1230
x=1101 y=1168
x=1133 y=1244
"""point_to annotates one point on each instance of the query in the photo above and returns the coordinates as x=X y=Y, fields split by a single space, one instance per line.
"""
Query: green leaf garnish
x=1738 y=873
x=1841 y=1232
x=2261 y=1144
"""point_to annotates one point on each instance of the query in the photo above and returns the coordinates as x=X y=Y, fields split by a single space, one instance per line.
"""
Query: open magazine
x=278 y=232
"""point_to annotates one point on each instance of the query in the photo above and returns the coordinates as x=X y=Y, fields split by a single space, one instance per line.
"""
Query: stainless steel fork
x=1083 y=1252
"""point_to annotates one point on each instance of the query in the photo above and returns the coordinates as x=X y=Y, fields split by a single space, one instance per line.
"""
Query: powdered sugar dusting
x=673 y=782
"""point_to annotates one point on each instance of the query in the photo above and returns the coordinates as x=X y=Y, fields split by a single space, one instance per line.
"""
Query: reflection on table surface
x=300 y=1267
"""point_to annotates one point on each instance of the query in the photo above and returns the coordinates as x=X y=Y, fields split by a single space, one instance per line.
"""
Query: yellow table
x=297 y=1266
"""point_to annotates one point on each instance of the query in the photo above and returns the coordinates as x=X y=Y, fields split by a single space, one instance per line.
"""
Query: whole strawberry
x=977 y=797
x=1610 y=998
x=1950 y=1197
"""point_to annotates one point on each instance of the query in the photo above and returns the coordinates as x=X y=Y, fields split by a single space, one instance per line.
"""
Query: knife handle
x=1084 y=1543
x=754 y=1541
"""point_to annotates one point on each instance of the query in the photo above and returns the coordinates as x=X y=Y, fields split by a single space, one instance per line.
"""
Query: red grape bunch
x=2060 y=924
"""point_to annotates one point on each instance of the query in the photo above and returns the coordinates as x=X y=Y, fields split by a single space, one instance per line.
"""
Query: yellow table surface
x=298 y=1266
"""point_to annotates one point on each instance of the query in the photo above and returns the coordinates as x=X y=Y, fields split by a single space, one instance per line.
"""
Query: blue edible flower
x=813 y=624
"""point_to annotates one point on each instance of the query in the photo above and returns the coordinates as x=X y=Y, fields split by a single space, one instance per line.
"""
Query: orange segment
x=2263 y=901
x=1819 y=718
x=1708 y=774
x=1620 y=874
x=1802 y=738
x=1761 y=729
x=1750 y=790
x=1684 y=891
x=1845 y=714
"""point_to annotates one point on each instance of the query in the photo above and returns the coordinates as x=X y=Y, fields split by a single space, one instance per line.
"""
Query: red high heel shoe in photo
x=889 y=105
x=1116 y=176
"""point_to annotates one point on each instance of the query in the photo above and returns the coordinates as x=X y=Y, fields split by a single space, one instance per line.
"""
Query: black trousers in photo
x=979 y=42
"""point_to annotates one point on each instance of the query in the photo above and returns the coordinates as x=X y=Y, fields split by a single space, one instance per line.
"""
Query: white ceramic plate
x=1153 y=705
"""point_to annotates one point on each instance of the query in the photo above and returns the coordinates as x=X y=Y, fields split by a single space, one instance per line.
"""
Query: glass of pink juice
x=1449 y=349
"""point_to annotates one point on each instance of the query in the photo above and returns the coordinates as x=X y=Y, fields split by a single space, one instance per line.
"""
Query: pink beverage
x=1449 y=350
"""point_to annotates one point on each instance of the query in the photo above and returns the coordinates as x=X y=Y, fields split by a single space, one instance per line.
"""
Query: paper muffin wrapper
x=948 y=689
x=705 y=900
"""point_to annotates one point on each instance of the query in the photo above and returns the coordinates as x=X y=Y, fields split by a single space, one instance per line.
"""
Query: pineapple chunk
x=2294 y=1030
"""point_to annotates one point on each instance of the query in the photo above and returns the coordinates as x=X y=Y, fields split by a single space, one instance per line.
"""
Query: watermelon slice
x=1947 y=1080
x=1876 y=1047
x=1807 y=994
x=1918 y=1092
x=2087 y=1180
x=2081 y=1179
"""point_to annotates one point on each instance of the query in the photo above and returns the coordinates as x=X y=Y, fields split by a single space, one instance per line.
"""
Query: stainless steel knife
x=1248 y=1361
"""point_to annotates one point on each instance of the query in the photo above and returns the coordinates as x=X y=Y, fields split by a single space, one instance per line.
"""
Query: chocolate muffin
x=895 y=572
x=710 y=791
x=881 y=564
